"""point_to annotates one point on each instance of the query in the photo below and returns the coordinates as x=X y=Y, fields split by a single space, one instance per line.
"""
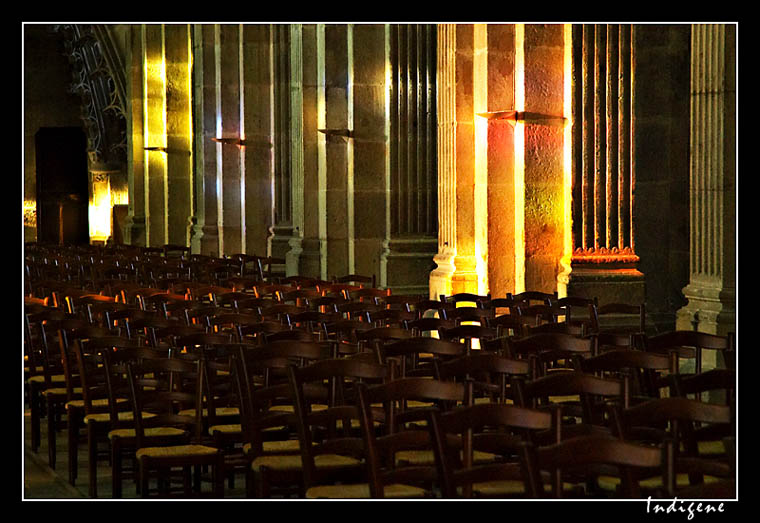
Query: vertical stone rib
x=624 y=151
x=599 y=136
x=446 y=105
x=612 y=141
x=588 y=137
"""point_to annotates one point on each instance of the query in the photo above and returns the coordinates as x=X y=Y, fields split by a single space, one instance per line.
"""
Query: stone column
x=205 y=232
x=179 y=132
x=412 y=185
x=462 y=177
x=711 y=291
x=370 y=147
x=256 y=110
x=446 y=80
x=283 y=228
x=604 y=261
x=135 y=223
x=230 y=176
x=296 y=148
x=154 y=135
x=339 y=148
x=312 y=261
x=543 y=156
x=500 y=157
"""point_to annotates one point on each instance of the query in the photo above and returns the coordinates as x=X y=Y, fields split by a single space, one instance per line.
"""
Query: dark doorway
x=62 y=186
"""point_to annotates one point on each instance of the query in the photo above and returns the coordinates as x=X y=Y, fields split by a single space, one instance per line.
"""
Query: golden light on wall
x=519 y=169
x=567 y=170
x=30 y=213
x=99 y=211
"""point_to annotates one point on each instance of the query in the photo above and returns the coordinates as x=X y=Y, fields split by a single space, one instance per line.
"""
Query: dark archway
x=62 y=185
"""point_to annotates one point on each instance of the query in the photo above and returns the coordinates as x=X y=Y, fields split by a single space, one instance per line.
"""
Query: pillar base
x=408 y=265
x=134 y=230
x=709 y=309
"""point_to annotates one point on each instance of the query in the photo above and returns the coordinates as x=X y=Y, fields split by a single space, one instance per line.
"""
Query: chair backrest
x=581 y=454
x=415 y=352
x=693 y=342
x=401 y=430
x=329 y=430
x=487 y=427
x=164 y=388
x=490 y=373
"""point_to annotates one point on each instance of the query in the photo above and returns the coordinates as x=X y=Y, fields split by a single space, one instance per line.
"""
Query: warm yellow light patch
x=99 y=210
x=567 y=189
x=519 y=169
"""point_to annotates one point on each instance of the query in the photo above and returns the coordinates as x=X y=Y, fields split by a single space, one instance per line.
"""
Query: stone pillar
x=446 y=104
x=230 y=166
x=543 y=157
x=256 y=110
x=205 y=232
x=283 y=228
x=604 y=261
x=500 y=157
x=312 y=261
x=179 y=132
x=296 y=148
x=462 y=177
x=711 y=291
x=371 y=147
x=412 y=184
x=154 y=135
x=338 y=117
x=135 y=223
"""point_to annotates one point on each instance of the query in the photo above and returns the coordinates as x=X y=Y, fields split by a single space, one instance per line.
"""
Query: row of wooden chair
x=428 y=341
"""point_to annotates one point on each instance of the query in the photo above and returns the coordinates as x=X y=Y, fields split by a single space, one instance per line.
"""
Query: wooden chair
x=467 y=333
x=617 y=313
x=100 y=415
x=401 y=454
x=158 y=387
x=578 y=312
x=637 y=369
x=686 y=343
x=490 y=374
x=583 y=399
x=588 y=456
x=527 y=298
x=46 y=379
x=331 y=447
x=494 y=428
x=121 y=435
x=268 y=417
x=430 y=326
x=672 y=421
x=369 y=294
x=479 y=301
x=416 y=355
x=428 y=308
x=545 y=349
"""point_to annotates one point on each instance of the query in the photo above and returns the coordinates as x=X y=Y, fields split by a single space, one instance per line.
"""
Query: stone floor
x=41 y=482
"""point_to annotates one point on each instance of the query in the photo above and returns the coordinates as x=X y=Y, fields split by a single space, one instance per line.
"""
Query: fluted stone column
x=462 y=239
x=604 y=261
x=711 y=291
x=412 y=186
x=296 y=148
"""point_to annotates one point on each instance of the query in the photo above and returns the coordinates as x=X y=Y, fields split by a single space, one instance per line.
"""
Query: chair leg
x=35 y=413
x=116 y=468
x=72 y=430
x=52 y=428
x=92 y=458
